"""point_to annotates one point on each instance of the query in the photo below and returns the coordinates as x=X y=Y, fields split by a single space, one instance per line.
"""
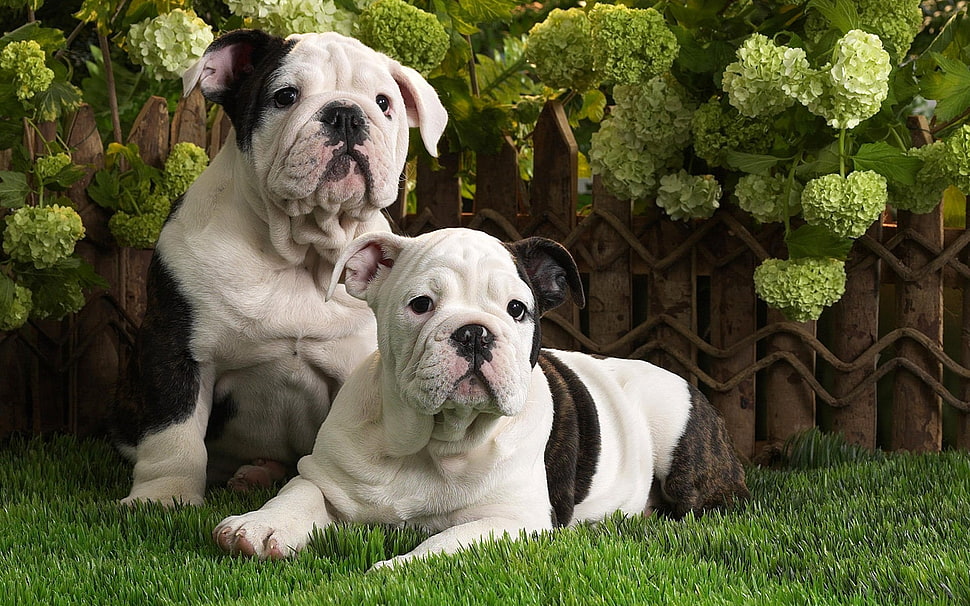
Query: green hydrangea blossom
x=854 y=86
x=716 y=130
x=42 y=235
x=931 y=180
x=631 y=46
x=17 y=314
x=183 y=166
x=561 y=48
x=406 y=33
x=26 y=62
x=800 y=288
x=763 y=197
x=658 y=112
x=628 y=168
x=298 y=16
x=254 y=9
x=845 y=206
x=141 y=230
x=56 y=298
x=170 y=43
x=757 y=83
x=47 y=167
x=956 y=161
x=684 y=196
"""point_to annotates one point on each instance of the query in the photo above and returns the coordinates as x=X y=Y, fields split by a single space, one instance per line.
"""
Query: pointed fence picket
x=679 y=294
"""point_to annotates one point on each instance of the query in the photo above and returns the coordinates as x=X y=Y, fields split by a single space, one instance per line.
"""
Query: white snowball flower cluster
x=170 y=43
x=844 y=92
x=642 y=138
x=758 y=83
x=628 y=170
x=684 y=196
x=764 y=197
x=658 y=112
x=285 y=17
x=857 y=82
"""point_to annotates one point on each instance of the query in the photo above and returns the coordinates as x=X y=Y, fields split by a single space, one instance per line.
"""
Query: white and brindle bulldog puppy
x=239 y=354
x=462 y=425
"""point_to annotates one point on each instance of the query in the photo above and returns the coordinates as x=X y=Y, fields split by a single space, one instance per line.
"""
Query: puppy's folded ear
x=230 y=59
x=551 y=271
x=366 y=262
x=424 y=108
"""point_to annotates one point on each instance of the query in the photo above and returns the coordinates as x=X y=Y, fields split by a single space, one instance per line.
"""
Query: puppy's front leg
x=280 y=528
x=459 y=537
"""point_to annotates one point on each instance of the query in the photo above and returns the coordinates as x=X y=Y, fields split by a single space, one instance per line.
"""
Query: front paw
x=260 y=535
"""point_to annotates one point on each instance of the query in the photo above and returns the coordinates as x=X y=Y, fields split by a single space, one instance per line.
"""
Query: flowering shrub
x=170 y=43
x=797 y=110
x=794 y=111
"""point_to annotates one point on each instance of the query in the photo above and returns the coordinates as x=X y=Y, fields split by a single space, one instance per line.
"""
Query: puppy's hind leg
x=261 y=473
x=705 y=472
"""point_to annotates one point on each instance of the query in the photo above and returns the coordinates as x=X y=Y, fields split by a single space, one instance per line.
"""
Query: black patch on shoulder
x=161 y=383
x=705 y=472
x=573 y=450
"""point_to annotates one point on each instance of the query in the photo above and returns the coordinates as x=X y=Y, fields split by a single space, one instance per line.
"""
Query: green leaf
x=890 y=162
x=841 y=14
x=950 y=87
x=482 y=11
x=14 y=189
x=757 y=164
x=816 y=241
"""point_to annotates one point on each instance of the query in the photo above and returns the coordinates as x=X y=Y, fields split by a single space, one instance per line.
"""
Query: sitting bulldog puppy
x=239 y=354
x=461 y=424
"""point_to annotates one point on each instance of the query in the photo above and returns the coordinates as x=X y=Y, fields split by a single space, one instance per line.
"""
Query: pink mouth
x=471 y=388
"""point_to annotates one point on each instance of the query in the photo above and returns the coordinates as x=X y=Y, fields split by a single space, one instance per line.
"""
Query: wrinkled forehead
x=473 y=260
x=333 y=62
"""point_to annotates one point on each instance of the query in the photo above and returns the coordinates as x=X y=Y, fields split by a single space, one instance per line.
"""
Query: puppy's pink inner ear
x=362 y=267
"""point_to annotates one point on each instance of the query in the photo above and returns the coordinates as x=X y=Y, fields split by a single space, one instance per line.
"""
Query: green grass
x=891 y=529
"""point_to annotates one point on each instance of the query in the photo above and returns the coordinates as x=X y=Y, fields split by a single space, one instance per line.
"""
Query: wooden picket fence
x=679 y=294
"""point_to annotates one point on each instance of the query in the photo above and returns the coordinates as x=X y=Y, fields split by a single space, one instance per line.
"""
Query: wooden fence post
x=671 y=292
x=438 y=192
x=734 y=317
x=610 y=298
x=917 y=410
x=189 y=121
x=855 y=328
x=497 y=186
x=790 y=407
x=552 y=203
x=94 y=345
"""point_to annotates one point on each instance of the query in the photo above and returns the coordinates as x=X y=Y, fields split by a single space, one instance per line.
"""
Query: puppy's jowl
x=461 y=424
x=238 y=356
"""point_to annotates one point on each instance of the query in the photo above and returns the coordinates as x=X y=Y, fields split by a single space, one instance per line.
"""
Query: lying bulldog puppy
x=238 y=355
x=461 y=424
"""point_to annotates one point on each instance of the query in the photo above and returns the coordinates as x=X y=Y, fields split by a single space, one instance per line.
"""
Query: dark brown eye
x=285 y=97
x=517 y=310
x=421 y=305
x=383 y=103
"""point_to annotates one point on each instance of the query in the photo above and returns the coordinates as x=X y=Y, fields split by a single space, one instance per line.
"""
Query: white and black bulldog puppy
x=461 y=424
x=239 y=354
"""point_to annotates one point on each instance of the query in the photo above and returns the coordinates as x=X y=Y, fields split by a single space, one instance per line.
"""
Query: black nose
x=474 y=343
x=345 y=122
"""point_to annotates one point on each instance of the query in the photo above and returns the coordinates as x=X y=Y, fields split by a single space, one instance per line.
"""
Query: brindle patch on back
x=705 y=472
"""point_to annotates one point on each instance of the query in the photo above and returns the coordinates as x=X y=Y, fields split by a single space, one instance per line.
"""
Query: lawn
x=858 y=529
